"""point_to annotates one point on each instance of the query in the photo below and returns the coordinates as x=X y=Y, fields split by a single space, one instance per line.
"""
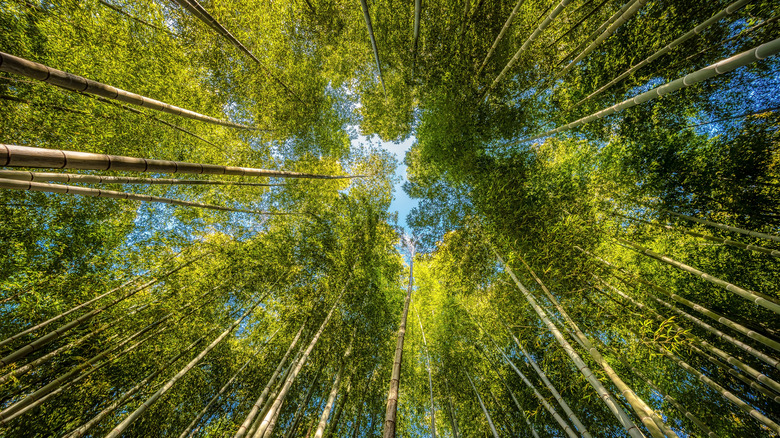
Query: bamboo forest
x=387 y=218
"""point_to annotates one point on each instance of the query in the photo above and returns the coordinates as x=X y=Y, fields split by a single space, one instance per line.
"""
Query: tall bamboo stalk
x=451 y=410
x=25 y=156
x=622 y=417
x=724 y=66
x=729 y=242
x=33 y=70
x=648 y=417
x=329 y=404
x=519 y=408
x=266 y=426
x=482 y=405
x=542 y=26
x=242 y=430
x=23 y=175
x=304 y=403
x=59 y=332
x=203 y=15
x=728 y=10
x=754 y=297
x=430 y=379
x=112 y=194
x=121 y=427
x=395 y=377
x=500 y=36
x=690 y=304
x=367 y=18
x=722 y=226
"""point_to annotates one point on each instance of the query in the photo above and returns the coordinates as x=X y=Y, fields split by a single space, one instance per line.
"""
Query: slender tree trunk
x=648 y=417
x=724 y=66
x=500 y=36
x=430 y=379
x=59 y=332
x=482 y=405
x=542 y=26
x=519 y=408
x=578 y=24
x=145 y=23
x=624 y=419
x=242 y=430
x=451 y=410
x=754 y=297
x=332 y=428
x=98 y=193
x=565 y=406
x=730 y=9
x=305 y=402
x=367 y=17
x=68 y=81
x=190 y=427
x=23 y=175
x=395 y=378
x=265 y=430
x=690 y=304
x=121 y=427
x=26 y=156
x=329 y=404
x=721 y=226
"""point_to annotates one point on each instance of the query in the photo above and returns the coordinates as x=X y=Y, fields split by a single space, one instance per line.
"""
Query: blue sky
x=401 y=202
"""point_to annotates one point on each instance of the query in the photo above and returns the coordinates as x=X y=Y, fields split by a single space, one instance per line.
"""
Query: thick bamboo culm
x=730 y=9
x=98 y=193
x=724 y=66
x=33 y=70
x=23 y=175
x=25 y=156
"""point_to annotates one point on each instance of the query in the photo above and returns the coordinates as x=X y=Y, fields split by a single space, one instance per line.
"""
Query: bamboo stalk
x=242 y=430
x=724 y=66
x=367 y=18
x=303 y=405
x=33 y=70
x=648 y=417
x=621 y=416
x=730 y=9
x=754 y=297
x=482 y=405
x=121 y=427
x=542 y=26
x=430 y=379
x=500 y=36
x=113 y=194
x=329 y=404
x=23 y=175
x=722 y=226
x=25 y=156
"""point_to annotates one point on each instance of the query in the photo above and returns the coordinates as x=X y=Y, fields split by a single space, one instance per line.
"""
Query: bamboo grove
x=197 y=236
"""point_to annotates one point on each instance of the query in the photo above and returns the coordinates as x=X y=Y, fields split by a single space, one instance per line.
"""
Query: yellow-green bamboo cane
x=519 y=407
x=367 y=18
x=730 y=9
x=266 y=426
x=622 y=417
x=329 y=404
x=242 y=430
x=724 y=66
x=482 y=405
x=26 y=156
x=542 y=26
x=763 y=419
x=500 y=36
x=754 y=297
x=33 y=70
x=690 y=304
x=729 y=242
x=722 y=226
x=430 y=378
x=121 y=427
x=303 y=404
x=113 y=194
x=23 y=175
x=648 y=417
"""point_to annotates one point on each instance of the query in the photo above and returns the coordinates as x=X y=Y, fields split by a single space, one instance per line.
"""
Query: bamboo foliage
x=33 y=70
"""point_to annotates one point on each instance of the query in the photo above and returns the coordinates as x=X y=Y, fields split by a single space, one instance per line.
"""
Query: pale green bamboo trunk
x=121 y=427
x=242 y=430
x=620 y=415
x=430 y=378
x=520 y=408
x=724 y=66
x=26 y=156
x=367 y=18
x=22 y=175
x=33 y=70
x=500 y=36
x=451 y=410
x=754 y=297
x=112 y=194
x=730 y=9
x=722 y=226
x=304 y=404
x=482 y=405
x=648 y=417
x=329 y=404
